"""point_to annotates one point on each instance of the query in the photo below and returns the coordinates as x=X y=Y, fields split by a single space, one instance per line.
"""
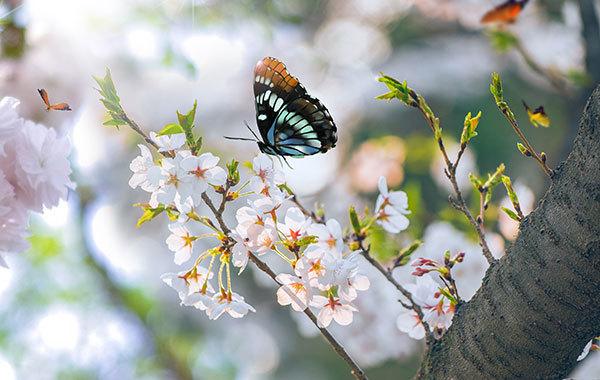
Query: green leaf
x=523 y=150
x=306 y=240
x=579 y=78
x=398 y=90
x=110 y=100
x=170 y=129
x=186 y=121
x=511 y=214
x=233 y=173
x=149 y=214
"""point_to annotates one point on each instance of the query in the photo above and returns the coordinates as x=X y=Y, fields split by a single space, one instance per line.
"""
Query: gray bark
x=540 y=305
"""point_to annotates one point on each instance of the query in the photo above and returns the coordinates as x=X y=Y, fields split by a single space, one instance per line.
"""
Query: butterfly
x=57 y=106
x=505 y=13
x=537 y=116
x=290 y=121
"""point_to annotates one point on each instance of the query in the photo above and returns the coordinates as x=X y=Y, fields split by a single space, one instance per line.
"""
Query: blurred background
x=86 y=301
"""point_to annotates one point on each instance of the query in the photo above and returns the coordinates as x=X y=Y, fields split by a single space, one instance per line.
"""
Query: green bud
x=523 y=150
x=354 y=221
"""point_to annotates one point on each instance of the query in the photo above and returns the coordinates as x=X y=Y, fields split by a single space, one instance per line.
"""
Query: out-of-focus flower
x=10 y=121
x=391 y=208
x=266 y=176
x=181 y=242
x=332 y=308
x=42 y=168
x=231 y=303
x=34 y=174
x=376 y=158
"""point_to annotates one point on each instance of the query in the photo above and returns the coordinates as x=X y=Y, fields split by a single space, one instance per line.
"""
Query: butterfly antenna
x=239 y=138
x=251 y=131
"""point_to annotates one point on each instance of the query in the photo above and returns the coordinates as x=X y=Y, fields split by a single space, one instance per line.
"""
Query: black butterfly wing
x=303 y=127
x=274 y=86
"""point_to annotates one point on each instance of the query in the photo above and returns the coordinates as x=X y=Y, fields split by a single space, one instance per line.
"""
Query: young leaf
x=404 y=255
x=496 y=88
x=186 y=121
x=170 y=129
x=149 y=214
x=354 y=221
x=523 y=150
x=502 y=40
x=470 y=125
x=511 y=214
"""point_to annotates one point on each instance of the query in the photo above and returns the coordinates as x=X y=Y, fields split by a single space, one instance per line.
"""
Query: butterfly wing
x=303 y=127
x=291 y=122
x=504 y=13
x=273 y=86
x=44 y=94
x=60 y=107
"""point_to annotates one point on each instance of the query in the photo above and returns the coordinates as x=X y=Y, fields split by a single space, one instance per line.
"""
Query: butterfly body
x=505 y=13
x=56 y=107
x=290 y=121
x=538 y=116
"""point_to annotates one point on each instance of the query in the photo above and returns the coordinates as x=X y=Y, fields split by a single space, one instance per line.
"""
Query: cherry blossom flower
x=168 y=143
x=266 y=176
x=188 y=282
x=10 y=122
x=293 y=291
x=295 y=224
x=42 y=168
x=203 y=171
x=333 y=309
x=200 y=300
x=146 y=174
x=330 y=237
x=230 y=303
x=181 y=242
x=173 y=185
x=391 y=208
x=409 y=322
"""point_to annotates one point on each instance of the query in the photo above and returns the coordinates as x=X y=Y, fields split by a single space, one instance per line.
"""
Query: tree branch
x=540 y=305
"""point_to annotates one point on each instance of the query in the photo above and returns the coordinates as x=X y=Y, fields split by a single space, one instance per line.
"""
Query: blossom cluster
x=324 y=272
x=34 y=174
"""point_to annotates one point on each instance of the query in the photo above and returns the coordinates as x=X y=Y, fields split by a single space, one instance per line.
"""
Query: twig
x=515 y=126
x=356 y=371
x=459 y=203
x=553 y=78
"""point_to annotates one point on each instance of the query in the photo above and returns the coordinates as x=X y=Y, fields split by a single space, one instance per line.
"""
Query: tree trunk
x=540 y=304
